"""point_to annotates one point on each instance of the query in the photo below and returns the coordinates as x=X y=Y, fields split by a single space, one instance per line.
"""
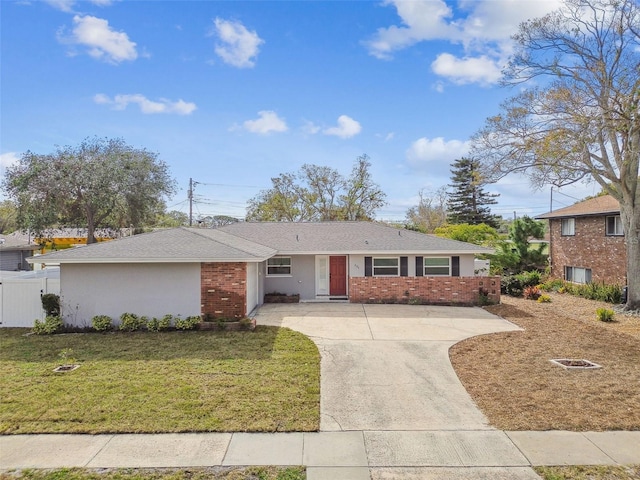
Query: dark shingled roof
x=603 y=205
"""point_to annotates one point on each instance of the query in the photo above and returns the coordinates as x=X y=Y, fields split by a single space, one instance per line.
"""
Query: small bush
x=604 y=314
x=130 y=322
x=161 y=324
x=511 y=285
x=51 y=304
x=554 y=285
x=529 y=279
x=531 y=293
x=66 y=356
x=189 y=323
x=102 y=323
x=544 y=299
x=50 y=325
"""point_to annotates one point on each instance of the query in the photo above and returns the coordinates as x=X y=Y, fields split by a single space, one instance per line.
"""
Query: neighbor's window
x=614 y=225
x=437 y=266
x=279 y=266
x=568 y=226
x=386 y=266
x=577 y=274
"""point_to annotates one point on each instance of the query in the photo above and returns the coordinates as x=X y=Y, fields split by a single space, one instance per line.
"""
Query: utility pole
x=551 y=201
x=190 y=202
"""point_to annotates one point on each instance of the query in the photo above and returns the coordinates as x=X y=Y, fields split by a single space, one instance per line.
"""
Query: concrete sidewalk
x=380 y=455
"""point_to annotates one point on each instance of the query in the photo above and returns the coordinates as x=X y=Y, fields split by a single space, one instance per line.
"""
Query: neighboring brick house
x=226 y=272
x=587 y=242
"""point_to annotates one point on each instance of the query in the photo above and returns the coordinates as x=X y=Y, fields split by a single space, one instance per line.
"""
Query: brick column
x=223 y=289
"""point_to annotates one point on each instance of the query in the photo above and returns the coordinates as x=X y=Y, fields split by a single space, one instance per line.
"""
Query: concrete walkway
x=391 y=408
x=333 y=455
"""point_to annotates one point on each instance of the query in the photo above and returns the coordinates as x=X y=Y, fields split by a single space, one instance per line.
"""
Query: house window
x=614 y=226
x=386 y=266
x=437 y=266
x=568 y=226
x=278 y=266
x=577 y=274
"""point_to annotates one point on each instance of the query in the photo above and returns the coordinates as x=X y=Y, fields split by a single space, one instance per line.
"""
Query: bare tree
x=430 y=213
x=584 y=122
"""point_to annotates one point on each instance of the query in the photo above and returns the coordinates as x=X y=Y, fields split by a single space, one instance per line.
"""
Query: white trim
x=373 y=266
x=424 y=267
x=273 y=275
x=319 y=277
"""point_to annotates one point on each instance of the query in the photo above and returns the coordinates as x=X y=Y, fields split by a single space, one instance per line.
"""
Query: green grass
x=589 y=472
x=219 y=473
x=262 y=381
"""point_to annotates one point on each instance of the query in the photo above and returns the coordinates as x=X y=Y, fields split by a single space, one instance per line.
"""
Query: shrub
x=102 y=323
x=50 y=325
x=189 y=323
x=532 y=293
x=529 y=279
x=511 y=285
x=544 y=299
x=51 y=304
x=130 y=322
x=158 y=325
x=604 y=314
x=554 y=285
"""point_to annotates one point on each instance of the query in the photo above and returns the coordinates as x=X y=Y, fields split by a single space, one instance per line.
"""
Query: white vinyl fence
x=20 y=301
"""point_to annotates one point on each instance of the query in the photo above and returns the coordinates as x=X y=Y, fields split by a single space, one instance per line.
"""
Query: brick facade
x=590 y=247
x=223 y=289
x=426 y=290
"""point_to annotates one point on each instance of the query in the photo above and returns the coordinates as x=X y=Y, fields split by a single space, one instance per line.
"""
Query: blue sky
x=234 y=93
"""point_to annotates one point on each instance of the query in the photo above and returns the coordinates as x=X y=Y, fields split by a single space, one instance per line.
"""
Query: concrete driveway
x=386 y=367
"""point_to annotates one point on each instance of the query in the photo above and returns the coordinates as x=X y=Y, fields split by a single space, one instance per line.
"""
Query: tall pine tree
x=468 y=202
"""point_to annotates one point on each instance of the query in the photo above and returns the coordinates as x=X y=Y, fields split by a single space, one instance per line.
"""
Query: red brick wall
x=223 y=289
x=428 y=290
x=589 y=248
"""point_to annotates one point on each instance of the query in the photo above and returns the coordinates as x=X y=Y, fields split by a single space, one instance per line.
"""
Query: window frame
x=290 y=266
x=617 y=222
x=569 y=221
x=374 y=267
x=424 y=267
x=570 y=274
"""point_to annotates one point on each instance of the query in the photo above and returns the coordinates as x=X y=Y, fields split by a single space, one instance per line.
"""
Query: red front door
x=337 y=275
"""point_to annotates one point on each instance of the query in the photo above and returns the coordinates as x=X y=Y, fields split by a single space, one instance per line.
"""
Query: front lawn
x=143 y=382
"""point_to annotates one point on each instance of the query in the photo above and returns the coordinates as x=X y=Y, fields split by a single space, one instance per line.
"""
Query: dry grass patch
x=145 y=382
x=590 y=472
x=212 y=473
x=511 y=379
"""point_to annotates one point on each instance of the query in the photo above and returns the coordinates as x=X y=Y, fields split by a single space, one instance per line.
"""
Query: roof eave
x=43 y=259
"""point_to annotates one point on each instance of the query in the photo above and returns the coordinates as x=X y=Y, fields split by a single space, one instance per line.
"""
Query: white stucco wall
x=144 y=289
x=302 y=280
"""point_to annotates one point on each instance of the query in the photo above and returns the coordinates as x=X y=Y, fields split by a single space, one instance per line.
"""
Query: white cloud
x=120 y=102
x=267 y=123
x=68 y=5
x=347 y=127
x=424 y=151
x=481 y=69
x=310 y=128
x=237 y=46
x=9 y=159
x=102 y=41
x=62 y=5
x=482 y=27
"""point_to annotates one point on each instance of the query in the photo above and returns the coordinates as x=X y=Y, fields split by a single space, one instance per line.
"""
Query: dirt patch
x=511 y=379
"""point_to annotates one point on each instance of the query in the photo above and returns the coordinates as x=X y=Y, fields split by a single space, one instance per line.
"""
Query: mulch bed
x=510 y=377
